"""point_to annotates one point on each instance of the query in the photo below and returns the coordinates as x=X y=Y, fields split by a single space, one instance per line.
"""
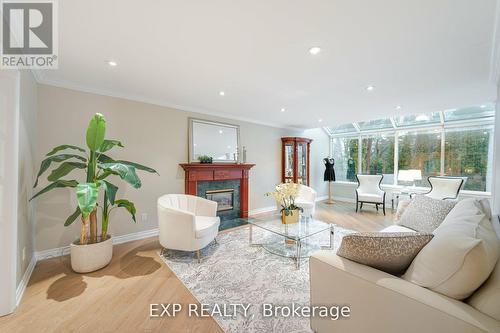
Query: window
x=378 y=156
x=345 y=128
x=468 y=154
x=456 y=142
x=418 y=119
x=345 y=153
x=420 y=151
x=375 y=124
x=472 y=112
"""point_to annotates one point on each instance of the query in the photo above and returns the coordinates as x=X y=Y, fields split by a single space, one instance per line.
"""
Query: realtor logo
x=29 y=34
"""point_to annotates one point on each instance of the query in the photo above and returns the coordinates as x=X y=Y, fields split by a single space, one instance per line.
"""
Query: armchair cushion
x=370 y=197
x=391 y=252
x=206 y=225
x=425 y=214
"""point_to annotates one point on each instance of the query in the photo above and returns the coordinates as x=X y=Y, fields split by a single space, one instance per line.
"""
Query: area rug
x=232 y=272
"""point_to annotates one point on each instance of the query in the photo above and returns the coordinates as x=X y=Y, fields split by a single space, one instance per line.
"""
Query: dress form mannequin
x=329 y=176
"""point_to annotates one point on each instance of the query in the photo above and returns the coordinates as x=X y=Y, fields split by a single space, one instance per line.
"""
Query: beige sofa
x=384 y=303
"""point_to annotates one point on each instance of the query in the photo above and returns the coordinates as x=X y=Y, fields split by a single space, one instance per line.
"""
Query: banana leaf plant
x=98 y=167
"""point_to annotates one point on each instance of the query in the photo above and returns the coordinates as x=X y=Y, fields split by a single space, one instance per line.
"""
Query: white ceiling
x=424 y=55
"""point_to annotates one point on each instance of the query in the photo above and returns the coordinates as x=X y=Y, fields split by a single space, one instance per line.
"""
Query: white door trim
x=9 y=99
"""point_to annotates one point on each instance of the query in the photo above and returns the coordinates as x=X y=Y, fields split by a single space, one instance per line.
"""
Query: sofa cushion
x=425 y=214
x=397 y=228
x=205 y=225
x=391 y=252
x=461 y=255
x=487 y=298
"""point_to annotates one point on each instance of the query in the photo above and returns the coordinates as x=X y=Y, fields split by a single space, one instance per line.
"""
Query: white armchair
x=444 y=187
x=306 y=200
x=187 y=222
x=369 y=191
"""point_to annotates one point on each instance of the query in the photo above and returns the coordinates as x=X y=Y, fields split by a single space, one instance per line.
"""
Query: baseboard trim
x=262 y=210
x=61 y=251
x=26 y=278
x=321 y=198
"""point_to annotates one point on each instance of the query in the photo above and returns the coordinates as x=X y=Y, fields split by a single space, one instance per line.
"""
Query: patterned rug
x=232 y=272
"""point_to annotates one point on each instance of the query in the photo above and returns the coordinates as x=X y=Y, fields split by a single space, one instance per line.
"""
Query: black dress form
x=329 y=171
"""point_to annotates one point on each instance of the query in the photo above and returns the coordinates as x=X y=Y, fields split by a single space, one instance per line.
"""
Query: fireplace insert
x=224 y=198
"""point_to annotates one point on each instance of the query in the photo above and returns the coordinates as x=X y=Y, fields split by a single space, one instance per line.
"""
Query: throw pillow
x=425 y=214
x=391 y=252
x=462 y=254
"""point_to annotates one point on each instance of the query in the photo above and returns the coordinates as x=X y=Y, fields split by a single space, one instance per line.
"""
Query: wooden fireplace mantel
x=196 y=172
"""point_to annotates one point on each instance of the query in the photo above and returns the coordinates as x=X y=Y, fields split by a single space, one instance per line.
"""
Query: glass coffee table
x=292 y=240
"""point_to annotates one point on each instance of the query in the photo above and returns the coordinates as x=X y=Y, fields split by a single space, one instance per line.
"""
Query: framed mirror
x=220 y=141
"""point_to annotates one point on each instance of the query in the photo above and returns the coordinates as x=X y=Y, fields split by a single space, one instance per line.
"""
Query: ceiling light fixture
x=222 y=93
x=112 y=63
x=220 y=132
x=320 y=120
x=315 y=50
x=398 y=107
x=483 y=106
x=283 y=110
x=370 y=88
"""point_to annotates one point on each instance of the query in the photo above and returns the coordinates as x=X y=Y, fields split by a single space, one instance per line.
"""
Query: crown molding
x=41 y=79
x=495 y=48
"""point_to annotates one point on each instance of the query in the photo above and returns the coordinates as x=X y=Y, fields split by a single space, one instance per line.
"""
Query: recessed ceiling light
x=222 y=93
x=320 y=120
x=220 y=132
x=315 y=50
x=483 y=106
x=370 y=88
x=398 y=107
x=283 y=110
x=112 y=63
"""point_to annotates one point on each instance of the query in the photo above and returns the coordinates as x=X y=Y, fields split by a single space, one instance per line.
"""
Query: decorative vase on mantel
x=292 y=217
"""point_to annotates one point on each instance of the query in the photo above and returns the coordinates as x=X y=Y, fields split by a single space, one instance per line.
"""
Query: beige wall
x=27 y=150
x=153 y=135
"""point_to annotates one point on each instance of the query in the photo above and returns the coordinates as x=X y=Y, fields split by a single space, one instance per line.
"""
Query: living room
x=229 y=166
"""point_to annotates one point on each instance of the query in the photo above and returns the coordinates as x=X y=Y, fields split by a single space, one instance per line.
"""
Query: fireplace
x=224 y=198
x=202 y=179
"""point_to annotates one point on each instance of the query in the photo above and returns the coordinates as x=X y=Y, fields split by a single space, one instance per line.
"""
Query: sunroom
x=407 y=149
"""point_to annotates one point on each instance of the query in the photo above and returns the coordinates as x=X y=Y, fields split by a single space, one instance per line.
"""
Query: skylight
x=418 y=119
x=345 y=128
x=481 y=113
x=473 y=112
x=375 y=124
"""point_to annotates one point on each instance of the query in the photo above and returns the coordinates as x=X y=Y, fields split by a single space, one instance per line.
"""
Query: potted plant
x=285 y=195
x=205 y=159
x=91 y=252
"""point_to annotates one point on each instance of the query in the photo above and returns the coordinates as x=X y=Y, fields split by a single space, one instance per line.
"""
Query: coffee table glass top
x=296 y=241
x=304 y=228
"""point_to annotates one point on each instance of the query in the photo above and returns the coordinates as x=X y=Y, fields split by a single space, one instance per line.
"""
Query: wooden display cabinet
x=295 y=154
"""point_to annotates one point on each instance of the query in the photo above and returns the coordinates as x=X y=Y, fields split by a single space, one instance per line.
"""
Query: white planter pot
x=91 y=257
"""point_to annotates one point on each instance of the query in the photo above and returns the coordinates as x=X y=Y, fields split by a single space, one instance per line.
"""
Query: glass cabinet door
x=302 y=163
x=289 y=155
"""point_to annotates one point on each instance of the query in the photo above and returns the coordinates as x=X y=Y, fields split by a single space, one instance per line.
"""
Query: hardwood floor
x=117 y=298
